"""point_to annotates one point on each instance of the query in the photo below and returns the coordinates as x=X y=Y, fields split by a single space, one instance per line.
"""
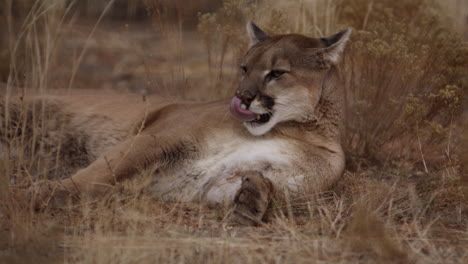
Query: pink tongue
x=236 y=110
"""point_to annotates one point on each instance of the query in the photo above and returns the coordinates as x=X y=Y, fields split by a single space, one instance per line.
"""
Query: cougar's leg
x=252 y=199
x=247 y=195
x=121 y=162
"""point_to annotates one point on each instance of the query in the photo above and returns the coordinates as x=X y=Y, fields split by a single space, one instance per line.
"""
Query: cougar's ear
x=335 y=45
x=255 y=34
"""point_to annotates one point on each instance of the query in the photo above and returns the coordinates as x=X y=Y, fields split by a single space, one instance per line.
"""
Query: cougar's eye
x=276 y=73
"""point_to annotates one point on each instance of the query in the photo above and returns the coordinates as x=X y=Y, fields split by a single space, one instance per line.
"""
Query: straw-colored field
x=402 y=198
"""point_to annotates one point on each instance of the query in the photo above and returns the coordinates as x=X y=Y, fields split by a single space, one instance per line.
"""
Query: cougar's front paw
x=47 y=193
x=252 y=199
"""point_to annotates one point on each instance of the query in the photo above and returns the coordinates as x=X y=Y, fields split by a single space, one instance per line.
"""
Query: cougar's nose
x=246 y=97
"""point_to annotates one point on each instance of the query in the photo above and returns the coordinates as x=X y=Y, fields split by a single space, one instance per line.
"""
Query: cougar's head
x=281 y=77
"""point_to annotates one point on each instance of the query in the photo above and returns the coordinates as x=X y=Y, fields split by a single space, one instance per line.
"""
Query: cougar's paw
x=252 y=199
x=47 y=193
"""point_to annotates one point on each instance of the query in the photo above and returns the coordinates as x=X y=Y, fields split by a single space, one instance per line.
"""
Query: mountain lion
x=279 y=133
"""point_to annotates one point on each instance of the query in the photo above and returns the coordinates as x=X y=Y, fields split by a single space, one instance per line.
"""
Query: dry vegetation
x=402 y=199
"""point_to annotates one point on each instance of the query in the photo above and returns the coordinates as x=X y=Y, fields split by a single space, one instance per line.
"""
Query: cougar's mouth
x=241 y=111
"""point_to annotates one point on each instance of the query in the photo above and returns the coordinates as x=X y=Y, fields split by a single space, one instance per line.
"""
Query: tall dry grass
x=405 y=79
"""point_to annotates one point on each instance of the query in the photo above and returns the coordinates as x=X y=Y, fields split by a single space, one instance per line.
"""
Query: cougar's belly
x=216 y=174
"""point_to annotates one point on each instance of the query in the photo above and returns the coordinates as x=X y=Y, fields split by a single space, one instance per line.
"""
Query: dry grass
x=401 y=200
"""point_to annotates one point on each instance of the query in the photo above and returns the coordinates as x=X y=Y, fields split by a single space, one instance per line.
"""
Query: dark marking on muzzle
x=267 y=102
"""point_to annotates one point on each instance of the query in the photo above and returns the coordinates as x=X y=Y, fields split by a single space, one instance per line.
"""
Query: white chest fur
x=239 y=155
x=219 y=161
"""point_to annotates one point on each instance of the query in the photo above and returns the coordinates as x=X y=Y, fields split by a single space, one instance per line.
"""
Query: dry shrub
x=405 y=76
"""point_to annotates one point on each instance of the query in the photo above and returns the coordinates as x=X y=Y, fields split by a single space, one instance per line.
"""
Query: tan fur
x=199 y=151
